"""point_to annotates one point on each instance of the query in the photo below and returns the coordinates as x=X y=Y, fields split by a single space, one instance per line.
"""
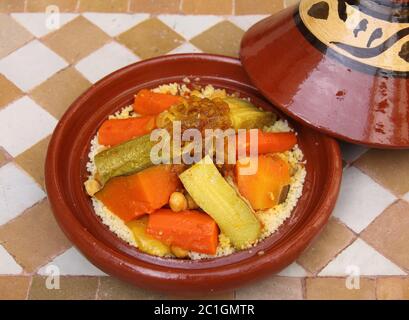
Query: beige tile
x=289 y=3
x=59 y=92
x=258 y=6
x=34 y=237
x=392 y=288
x=389 y=233
x=113 y=289
x=223 y=38
x=207 y=6
x=155 y=6
x=336 y=289
x=41 y=5
x=70 y=288
x=329 y=243
x=12 y=5
x=32 y=160
x=390 y=168
x=14 y=287
x=12 y=35
x=9 y=92
x=104 y=5
x=150 y=38
x=4 y=156
x=273 y=287
x=76 y=39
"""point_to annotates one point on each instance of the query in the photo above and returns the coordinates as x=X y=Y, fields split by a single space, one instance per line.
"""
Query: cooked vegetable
x=152 y=103
x=197 y=113
x=132 y=196
x=215 y=196
x=264 y=188
x=189 y=230
x=272 y=142
x=92 y=186
x=191 y=204
x=145 y=242
x=116 y=131
x=177 y=202
x=126 y=158
x=179 y=252
x=245 y=115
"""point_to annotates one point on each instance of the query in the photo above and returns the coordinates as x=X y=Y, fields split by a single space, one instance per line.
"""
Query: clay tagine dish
x=340 y=66
x=66 y=172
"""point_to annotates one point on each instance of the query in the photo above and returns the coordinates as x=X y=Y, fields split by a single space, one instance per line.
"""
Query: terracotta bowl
x=65 y=173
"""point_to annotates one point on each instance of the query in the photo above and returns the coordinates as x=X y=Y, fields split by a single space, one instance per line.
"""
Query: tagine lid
x=340 y=66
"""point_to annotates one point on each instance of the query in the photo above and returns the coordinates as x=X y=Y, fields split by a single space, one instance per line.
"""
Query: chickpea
x=92 y=186
x=177 y=202
x=179 y=252
x=191 y=204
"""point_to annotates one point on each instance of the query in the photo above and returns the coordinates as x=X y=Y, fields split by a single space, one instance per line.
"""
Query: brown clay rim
x=71 y=206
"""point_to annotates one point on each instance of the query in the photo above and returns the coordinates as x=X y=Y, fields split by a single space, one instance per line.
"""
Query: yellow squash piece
x=245 y=115
x=218 y=199
x=145 y=242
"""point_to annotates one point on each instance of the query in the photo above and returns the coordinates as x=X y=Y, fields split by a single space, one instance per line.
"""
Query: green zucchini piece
x=124 y=159
x=245 y=115
x=218 y=199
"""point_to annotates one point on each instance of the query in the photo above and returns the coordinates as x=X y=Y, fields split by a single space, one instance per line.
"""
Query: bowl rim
x=125 y=267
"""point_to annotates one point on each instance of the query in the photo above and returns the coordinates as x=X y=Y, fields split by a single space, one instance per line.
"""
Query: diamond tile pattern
x=351 y=207
x=223 y=38
x=76 y=39
x=42 y=71
x=105 y=60
x=18 y=191
x=18 y=131
x=12 y=35
x=40 y=24
x=31 y=65
x=150 y=38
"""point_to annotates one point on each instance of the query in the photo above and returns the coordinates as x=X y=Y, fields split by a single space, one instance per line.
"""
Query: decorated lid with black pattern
x=339 y=66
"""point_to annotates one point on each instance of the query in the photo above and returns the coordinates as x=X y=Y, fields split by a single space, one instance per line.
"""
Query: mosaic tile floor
x=42 y=71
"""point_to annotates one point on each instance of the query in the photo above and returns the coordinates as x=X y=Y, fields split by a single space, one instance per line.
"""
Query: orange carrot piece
x=189 y=230
x=263 y=189
x=152 y=103
x=271 y=142
x=132 y=196
x=116 y=131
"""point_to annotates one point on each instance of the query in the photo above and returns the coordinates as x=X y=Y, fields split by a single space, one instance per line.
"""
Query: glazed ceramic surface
x=340 y=66
x=66 y=171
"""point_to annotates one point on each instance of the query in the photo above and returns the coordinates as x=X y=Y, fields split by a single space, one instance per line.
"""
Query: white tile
x=18 y=191
x=360 y=259
x=189 y=26
x=115 y=23
x=351 y=152
x=186 y=47
x=105 y=60
x=361 y=200
x=246 y=21
x=7 y=263
x=71 y=263
x=30 y=65
x=40 y=24
x=22 y=124
x=293 y=270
